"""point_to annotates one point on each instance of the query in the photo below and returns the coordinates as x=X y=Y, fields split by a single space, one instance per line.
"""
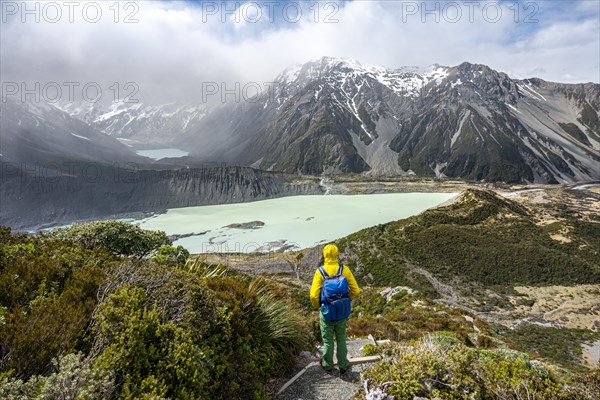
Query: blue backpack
x=335 y=300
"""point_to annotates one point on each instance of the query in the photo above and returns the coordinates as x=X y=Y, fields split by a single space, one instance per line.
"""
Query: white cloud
x=174 y=47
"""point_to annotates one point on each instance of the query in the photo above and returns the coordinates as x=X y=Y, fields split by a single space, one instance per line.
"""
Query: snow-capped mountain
x=38 y=133
x=335 y=116
x=136 y=121
x=470 y=121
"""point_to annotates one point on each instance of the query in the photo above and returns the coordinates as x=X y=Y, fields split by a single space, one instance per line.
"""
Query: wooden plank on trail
x=364 y=360
x=298 y=375
x=378 y=342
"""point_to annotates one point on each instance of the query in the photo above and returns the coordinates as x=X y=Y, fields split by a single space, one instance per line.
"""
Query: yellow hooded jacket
x=331 y=265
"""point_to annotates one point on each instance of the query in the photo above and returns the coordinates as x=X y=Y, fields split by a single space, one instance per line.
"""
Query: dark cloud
x=174 y=47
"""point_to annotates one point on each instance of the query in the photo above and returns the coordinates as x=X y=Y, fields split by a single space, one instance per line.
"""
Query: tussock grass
x=284 y=325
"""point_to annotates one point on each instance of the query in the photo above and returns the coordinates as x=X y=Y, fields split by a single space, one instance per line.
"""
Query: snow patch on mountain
x=80 y=137
x=460 y=126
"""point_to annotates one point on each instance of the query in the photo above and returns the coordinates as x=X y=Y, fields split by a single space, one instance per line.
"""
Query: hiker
x=332 y=287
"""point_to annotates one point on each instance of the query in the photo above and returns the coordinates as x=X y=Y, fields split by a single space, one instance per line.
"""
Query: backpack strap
x=324 y=294
x=322 y=271
x=339 y=271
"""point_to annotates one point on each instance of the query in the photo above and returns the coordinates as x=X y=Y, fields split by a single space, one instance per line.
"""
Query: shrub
x=255 y=343
x=370 y=350
x=48 y=293
x=149 y=357
x=585 y=387
x=17 y=389
x=138 y=328
x=516 y=379
x=28 y=262
x=561 y=345
x=283 y=325
x=120 y=238
x=172 y=256
x=441 y=366
x=485 y=342
x=74 y=379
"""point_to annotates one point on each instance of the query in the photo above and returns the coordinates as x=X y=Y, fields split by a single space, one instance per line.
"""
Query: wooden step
x=364 y=360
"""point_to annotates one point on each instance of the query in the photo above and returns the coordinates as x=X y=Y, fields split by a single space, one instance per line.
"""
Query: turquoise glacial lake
x=293 y=223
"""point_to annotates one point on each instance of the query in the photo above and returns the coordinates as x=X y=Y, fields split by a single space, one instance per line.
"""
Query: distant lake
x=295 y=222
x=158 y=154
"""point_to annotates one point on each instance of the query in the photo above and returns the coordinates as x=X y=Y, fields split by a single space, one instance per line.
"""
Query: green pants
x=328 y=329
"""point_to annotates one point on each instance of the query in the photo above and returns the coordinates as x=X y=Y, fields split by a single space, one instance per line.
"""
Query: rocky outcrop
x=30 y=201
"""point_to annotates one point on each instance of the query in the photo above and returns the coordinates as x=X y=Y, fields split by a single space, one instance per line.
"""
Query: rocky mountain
x=468 y=121
x=337 y=116
x=134 y=121
x=480 y=124
x=37 y=133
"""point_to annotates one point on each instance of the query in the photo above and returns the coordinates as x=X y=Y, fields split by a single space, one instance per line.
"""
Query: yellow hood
x=330 y=254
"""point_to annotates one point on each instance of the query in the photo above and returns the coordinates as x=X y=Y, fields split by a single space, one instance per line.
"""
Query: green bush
x=370 y=350
x=584 y=387
x=27 y=262
x=149 y=357
x=120 y=238
x=251 y=347
x=75 y=316
x=171 y=256
x=516 y=379
x=440 y=366
x=72 y=378
x=405 y=316
x=47 y=295
x=17 y=389
x=283 y=324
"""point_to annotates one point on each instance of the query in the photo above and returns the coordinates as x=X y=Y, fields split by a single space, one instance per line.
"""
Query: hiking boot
x=344 y=370
x=329 y=371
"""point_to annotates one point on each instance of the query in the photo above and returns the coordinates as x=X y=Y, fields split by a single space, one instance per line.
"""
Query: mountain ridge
x=348 y=118
x=331 y=116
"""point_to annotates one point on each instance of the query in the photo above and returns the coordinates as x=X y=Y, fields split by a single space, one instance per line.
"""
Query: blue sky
x=174 y=45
